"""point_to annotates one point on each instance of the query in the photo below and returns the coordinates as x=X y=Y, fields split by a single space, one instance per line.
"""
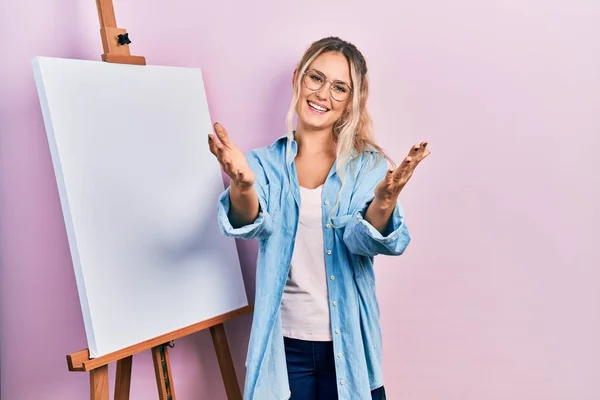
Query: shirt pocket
x=357 y=263
x=273 y=195
x=339 y=225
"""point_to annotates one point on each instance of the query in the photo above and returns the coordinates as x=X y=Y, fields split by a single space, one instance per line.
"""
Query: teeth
x=316 y=107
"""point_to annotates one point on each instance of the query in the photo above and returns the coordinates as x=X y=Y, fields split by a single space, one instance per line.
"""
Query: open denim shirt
x=350 y=243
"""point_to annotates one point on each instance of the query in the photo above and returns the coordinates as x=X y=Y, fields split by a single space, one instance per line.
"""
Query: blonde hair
x=353 y=131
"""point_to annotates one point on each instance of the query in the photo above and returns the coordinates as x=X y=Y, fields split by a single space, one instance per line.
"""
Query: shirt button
x=335 y=303
x=342 y=382
x=337 y=331
x=328 y=251
x=326 y=202
x=340 y=355
x=332 y=277
x=328 y=226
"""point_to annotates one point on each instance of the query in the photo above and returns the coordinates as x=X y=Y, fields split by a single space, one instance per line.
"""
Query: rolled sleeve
x=259 y=229
x=359 y=236
x=363 y=239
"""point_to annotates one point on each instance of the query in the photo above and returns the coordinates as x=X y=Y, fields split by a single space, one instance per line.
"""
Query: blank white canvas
x=138 y=188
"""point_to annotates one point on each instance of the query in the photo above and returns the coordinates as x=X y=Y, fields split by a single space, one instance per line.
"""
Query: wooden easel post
x=115 y=43
x=98 y=367
x=162 y=370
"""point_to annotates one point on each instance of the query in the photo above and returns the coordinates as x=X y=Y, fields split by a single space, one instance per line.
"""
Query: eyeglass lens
x=314 y=80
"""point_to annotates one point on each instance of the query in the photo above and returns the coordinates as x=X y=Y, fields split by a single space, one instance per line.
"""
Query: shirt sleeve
x=262 y=227
x=360 y=236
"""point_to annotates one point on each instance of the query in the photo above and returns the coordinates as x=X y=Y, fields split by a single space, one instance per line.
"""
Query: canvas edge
x=222 y=186
x=38 y=73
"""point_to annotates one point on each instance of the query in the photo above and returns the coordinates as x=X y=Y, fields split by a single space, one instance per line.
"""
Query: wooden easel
x=98 y=367
x=115 y=43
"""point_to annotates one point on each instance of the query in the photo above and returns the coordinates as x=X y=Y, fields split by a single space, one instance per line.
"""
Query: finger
x=219 y=148
x=392 y=184
x=222 y=134
x=423 y=151
x=226 y=164
x=222 y=153
x=211 y=144
x=389 y=177
x=403 y=169
x=216 y=148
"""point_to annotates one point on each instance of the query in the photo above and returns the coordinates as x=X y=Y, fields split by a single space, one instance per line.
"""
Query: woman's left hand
x=389 y=188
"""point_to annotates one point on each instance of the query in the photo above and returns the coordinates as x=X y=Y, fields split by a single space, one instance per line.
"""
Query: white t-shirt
x=305 y=305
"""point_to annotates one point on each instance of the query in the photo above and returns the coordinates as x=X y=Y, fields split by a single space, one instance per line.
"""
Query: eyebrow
x=335 y=80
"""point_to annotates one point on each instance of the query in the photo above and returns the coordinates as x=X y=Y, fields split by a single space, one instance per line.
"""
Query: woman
x=322 y=203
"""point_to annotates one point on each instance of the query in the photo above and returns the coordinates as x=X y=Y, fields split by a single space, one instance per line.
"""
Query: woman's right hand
x=232 y=160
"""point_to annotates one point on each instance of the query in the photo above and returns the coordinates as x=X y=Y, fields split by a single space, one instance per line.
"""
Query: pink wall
x=497 y=298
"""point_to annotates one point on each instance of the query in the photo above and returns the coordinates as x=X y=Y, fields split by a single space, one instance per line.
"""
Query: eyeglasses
x=314 y=80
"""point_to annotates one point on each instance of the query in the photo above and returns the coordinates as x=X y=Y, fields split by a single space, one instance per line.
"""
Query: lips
x=317 y=106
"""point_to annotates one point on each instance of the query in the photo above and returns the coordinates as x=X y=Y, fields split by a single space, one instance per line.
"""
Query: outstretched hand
x=232 y=160
x=389 y=188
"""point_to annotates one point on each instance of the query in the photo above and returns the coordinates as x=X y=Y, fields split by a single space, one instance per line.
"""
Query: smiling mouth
x=317 y=107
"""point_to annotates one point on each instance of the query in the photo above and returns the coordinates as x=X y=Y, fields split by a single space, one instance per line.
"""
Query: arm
x=371 y=229
x=379 y=213
x=387 y=191
x=391 y=184
x=259 y=228
x=242 y=207
x=378 y=225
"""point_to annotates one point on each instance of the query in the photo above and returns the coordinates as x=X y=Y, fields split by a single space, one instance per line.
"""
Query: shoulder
x=274 y=151
x=369 y=165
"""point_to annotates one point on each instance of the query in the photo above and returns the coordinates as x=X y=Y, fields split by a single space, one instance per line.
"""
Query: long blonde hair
x=353 y=131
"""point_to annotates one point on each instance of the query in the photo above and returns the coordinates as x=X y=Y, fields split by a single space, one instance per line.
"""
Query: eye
x=340 y=88
x=316 y=78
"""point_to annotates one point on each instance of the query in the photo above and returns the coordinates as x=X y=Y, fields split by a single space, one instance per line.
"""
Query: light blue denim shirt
x=349 y=245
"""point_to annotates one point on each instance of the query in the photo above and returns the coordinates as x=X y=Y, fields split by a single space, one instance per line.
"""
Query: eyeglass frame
x=330 y=84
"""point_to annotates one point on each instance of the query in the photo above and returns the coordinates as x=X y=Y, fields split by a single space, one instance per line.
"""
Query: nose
x=323 y=92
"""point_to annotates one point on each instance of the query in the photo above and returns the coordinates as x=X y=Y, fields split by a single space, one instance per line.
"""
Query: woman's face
x=325 y=92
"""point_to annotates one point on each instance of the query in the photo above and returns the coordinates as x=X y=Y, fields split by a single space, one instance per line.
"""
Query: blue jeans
x=311 y=371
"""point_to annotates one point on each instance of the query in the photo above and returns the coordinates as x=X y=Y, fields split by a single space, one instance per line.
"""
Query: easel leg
x=123 y=378
x=99 y=383
x=162 y=369
x=219 y=338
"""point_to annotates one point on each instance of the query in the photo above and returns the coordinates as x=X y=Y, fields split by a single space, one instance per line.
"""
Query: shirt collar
x=291 y=150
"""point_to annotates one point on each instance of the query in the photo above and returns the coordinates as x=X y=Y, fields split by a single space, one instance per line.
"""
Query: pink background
x=498 y=296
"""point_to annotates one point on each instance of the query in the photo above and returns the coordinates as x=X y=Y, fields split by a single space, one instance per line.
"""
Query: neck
x=315 y=142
